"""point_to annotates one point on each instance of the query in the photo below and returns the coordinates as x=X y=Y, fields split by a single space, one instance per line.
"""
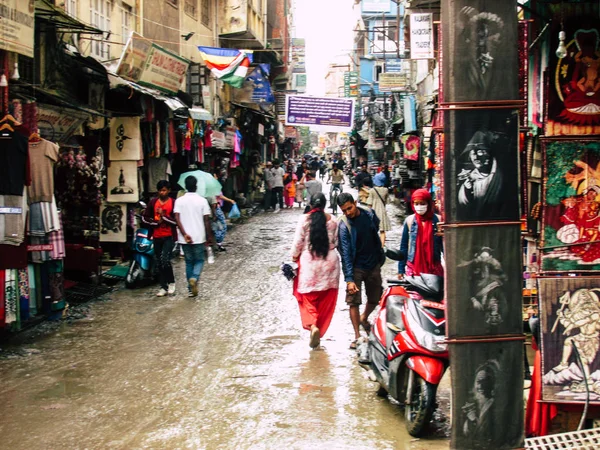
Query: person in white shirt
x=192 y=214
x=278 y=174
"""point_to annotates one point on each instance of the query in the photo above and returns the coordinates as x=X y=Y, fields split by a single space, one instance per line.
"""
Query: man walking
x=362 y=257
x=268 y=200
x=313 y=186
x=278 y=174
x=192 y=214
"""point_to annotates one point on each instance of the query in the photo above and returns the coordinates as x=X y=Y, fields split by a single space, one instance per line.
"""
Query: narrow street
x=231 y=369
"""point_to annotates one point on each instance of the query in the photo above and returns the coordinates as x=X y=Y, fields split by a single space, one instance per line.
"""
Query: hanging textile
x=32 y=290
x=23 y=281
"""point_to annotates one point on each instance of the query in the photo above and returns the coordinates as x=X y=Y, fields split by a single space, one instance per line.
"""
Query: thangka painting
x=570 y=333
x=475 y=53
x=574 y=90
x=485 y=284
x=571 y=213
x=481 y=167
x=125 y=139
x=487 y=378
x=122 y=182
x=113 y=222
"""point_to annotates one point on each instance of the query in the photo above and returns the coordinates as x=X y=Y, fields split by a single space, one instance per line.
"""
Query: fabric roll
x=2 y=302
x=35 y=223
x=10 y=296
x=32 y=290
x=57 y=239
x=23 y=280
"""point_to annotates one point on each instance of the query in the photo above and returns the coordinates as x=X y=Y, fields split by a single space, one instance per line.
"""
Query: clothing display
x=13 y=161
x=43 y=155
x=158 y=169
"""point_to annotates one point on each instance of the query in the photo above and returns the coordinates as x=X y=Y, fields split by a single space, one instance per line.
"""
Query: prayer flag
x=227 y=64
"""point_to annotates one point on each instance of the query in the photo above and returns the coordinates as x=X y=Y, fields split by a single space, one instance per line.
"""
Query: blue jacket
x=347 y=242
x=408 y=246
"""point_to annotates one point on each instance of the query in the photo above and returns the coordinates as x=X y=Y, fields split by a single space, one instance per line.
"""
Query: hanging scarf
x=423 y=262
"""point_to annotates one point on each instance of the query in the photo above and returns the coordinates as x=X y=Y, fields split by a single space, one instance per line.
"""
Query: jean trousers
x=194 y=260
x=163 y=247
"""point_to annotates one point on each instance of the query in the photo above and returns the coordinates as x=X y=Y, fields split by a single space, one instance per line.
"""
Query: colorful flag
x=227 y=64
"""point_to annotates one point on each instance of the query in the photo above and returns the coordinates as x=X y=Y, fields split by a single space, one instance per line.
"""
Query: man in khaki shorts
x=362 y=256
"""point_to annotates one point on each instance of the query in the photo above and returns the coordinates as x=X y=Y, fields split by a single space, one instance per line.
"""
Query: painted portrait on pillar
x=574 y=91
x=571 y=213
x=570 y=334
x=481 y=170
x=486 y=282
x=480 y=56
x=487 y=379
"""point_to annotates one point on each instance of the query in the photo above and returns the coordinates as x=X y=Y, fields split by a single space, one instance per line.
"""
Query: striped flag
x=227 y=64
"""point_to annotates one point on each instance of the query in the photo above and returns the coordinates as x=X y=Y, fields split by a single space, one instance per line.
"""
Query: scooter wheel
x=419 y=408
x=381 y=392
x=133 y=275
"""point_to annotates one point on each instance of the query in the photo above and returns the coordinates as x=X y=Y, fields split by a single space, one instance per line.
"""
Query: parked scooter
x=141 y=271
x=406 y=348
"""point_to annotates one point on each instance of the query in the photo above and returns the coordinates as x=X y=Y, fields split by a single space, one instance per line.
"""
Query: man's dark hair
x=191 y=184
x=344 y=197
x=163 y=184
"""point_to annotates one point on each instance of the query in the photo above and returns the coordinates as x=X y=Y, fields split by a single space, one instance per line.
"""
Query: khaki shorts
x=373 y=286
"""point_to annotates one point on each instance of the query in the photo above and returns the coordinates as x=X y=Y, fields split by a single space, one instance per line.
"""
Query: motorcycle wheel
x=133 y=275
x=419 y=408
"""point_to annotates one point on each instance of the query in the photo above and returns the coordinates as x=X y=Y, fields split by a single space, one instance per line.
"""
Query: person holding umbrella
x=192 y=214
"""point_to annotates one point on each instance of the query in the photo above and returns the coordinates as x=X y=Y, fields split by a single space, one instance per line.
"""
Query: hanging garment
x=42 y=157
x=13 y=164
x=2 y=302
x=23 y=280
x=10 y=296
x=32 y=290
x=12 y=218
x=35 y=224
x=172 y=138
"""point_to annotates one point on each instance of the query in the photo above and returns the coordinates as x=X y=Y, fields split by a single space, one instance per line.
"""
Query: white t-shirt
x=192 y=208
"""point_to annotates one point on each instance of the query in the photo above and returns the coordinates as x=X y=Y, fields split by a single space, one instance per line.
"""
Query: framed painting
x=574 y=87
x=113 y=222
x=485 y=285
x=122 y=182
x=571 y=211
x=570 y=335
x=486 y=386
x=125 y=140
x=481 y=165
x=476 y=57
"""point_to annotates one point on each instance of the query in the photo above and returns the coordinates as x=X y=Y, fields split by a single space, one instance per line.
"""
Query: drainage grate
x=83 y=292
x=575 y=440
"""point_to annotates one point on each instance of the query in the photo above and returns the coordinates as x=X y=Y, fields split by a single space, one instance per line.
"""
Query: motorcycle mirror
x=395 y=255
x=143 y=204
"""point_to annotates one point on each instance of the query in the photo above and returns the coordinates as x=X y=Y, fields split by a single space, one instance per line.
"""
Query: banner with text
x=17 y=26
x=335 y=114
x=421 y=36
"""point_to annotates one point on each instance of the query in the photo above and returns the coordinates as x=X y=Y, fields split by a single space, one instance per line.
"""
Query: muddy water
x=230 y=369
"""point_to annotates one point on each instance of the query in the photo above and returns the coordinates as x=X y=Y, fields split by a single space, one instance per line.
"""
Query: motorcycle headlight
x=425 y=339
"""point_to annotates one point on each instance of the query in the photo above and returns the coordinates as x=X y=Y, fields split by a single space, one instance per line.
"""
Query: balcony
x=242 y=23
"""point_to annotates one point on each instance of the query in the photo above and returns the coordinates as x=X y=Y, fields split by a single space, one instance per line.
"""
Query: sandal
x=353 y=344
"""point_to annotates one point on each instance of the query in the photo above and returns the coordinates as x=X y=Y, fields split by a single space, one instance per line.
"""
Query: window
x=71 y=7
x=377 y=70
x=191 y=8
x=174 y=3
x=206 y=13
x=126 y=13
x=384 y=37
x=100 y=11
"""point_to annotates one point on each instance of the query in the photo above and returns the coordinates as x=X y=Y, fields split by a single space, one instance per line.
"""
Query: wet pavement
x=230 y=369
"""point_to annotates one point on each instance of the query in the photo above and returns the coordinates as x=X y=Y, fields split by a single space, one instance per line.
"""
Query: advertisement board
x=334 y=113
x=421 y=36
x=58 y=124
x=392 y=82
x=17 y=26
x=151 y=65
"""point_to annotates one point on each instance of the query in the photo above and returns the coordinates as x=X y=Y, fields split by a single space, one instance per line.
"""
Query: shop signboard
x=298 y=55
x=392 y=82
x=376 y=5
x=16 y=26
x=393 y=66
x=299 y=82
x=351 y=84
x=421 y=36
x=164 y=70
x=335 y=114
x=58 y=124
x=151 y=65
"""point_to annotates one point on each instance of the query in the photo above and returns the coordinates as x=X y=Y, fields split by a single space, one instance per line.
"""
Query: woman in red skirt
x=317 y=283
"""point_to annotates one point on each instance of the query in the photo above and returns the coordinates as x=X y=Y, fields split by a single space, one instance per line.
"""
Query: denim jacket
x=347 y=242
x=408 y=246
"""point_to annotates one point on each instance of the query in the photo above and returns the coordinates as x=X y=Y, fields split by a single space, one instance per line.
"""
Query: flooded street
x=230 y=369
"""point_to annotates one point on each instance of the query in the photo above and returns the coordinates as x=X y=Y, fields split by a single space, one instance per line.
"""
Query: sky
x=327 y=26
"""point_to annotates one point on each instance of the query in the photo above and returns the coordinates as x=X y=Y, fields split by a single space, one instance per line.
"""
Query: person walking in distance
x=362 y=257
x=268 y=175
x=317 y=283
x=377 y=200
x=278 y=174
x=158 y=215
x=192 y=214
x=313 y=187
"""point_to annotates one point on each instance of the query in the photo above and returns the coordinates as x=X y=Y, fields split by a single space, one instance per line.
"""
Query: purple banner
x=334 y=113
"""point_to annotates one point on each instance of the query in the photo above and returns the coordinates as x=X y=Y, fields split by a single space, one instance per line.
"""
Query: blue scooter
x=141 y=271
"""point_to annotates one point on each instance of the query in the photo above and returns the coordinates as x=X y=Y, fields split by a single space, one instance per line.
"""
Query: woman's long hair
x=318 y=237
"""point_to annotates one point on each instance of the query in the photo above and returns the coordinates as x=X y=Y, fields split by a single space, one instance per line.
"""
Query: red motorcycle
x=406 y=348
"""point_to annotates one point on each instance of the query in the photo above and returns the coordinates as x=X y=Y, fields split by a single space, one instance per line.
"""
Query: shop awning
x=197 y=113
x=179 y=108
x=61 y=20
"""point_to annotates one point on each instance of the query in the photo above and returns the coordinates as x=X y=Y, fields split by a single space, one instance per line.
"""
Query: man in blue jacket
x=362 y=257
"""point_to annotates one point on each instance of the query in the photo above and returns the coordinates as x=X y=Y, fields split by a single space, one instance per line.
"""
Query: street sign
x=336 y=114
x=421 y=36
x=389 y=82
